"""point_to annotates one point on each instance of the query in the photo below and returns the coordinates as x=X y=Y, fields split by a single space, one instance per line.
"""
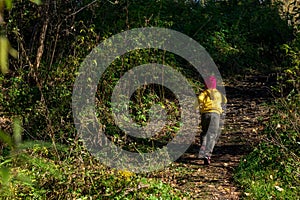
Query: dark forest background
x=53 y=37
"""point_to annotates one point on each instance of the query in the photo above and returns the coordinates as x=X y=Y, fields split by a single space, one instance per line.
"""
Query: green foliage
x=241 y=36
x=272 y=169
x=236 y=34
x=13 y=143
x=5 y=46
x=76 y=176
x=269 y=172
x=290 y=78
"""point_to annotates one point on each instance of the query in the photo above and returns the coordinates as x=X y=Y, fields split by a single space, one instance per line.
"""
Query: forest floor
x=244 y=120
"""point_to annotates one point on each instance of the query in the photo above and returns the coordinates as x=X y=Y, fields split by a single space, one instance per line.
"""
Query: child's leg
x=221 y=126
x=205 y=120
x=212 y=133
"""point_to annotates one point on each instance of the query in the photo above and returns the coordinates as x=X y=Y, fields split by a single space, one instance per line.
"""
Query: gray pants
x=211 y=131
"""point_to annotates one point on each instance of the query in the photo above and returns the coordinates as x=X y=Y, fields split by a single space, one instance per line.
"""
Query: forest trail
x=245 y=113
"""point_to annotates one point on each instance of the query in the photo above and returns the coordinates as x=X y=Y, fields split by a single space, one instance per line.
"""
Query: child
x=210 y=102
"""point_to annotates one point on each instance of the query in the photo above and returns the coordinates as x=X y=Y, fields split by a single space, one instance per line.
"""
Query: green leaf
x=13 y=52
x=5 y=161
x=4 y=48
x=5 y=175
x=8 y=4
x=6 y=138
x=38 y=2
x=25 y=179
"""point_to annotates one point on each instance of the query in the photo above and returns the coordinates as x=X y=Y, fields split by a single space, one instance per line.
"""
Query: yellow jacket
x=210 y=100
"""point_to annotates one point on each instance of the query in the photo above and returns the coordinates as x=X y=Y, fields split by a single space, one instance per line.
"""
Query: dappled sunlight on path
x=245 y=113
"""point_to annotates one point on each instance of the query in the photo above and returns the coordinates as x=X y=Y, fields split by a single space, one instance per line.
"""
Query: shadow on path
x=245 y=111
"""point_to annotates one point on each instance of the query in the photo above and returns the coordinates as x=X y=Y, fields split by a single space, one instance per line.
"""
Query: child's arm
x=199 y=102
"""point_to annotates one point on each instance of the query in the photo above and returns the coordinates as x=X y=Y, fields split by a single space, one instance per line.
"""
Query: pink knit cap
x=211 y=82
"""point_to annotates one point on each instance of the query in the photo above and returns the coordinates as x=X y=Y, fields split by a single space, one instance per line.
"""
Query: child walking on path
x=210 y=101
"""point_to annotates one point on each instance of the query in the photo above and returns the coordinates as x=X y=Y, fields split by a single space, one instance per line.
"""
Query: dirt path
x=243 y=122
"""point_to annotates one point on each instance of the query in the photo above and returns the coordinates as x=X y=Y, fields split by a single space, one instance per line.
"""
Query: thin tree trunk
x=43 y=33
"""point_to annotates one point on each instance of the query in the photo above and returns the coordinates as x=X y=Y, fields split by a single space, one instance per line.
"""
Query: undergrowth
x=272 y=170
x=34 y=172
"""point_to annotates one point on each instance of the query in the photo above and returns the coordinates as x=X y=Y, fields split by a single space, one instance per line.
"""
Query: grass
x=264 y=177
x=272 y=170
